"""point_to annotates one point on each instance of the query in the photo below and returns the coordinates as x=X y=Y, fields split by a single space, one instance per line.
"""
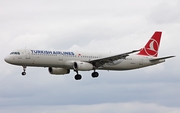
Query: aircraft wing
x=102 y=61
x=162 y=58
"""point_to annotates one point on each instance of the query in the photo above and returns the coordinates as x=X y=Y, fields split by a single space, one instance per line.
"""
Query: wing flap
x=102 y=61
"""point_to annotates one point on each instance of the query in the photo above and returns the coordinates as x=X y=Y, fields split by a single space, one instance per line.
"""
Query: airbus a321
x=61 y=62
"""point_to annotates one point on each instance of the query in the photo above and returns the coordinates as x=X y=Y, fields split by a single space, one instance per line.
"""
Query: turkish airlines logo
x=152 y=48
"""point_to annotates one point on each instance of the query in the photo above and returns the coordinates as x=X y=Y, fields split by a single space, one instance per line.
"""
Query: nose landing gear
x=24 y=70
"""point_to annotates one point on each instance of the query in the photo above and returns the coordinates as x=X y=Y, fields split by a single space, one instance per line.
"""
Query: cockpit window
x=15 y=53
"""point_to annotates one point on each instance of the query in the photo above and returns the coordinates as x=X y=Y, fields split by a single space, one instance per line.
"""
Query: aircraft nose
x=7 y=59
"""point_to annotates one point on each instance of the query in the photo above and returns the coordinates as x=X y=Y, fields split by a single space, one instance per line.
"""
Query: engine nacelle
x=82 y=66
x=58 y=71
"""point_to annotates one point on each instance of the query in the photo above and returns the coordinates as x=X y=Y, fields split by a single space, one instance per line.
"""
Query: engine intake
x=82 y=66
x=58 y=71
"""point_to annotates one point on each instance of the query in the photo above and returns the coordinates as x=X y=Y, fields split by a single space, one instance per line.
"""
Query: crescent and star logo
x=152 y=48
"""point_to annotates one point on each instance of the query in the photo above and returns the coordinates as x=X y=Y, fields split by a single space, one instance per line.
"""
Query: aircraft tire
x=95 y=74
x=78 y=77
x=23 y=73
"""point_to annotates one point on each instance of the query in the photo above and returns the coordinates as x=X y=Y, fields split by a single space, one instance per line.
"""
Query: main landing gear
x=95 y=74
x=24 y=70
x=78 y=76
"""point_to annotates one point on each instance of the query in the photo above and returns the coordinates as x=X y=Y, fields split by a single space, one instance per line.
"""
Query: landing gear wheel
x=24 y=70
x=95 y=74
x=78 y=77
x=23 y=73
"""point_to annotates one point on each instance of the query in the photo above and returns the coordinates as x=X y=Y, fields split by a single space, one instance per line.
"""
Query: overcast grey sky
x=94 y=25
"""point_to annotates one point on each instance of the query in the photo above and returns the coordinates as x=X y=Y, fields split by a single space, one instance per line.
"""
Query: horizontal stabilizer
x=162 y=58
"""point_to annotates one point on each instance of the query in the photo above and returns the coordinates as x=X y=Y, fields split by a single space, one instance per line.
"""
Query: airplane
x=61 y=62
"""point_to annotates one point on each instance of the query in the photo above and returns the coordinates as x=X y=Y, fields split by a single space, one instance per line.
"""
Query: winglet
x=152 y=46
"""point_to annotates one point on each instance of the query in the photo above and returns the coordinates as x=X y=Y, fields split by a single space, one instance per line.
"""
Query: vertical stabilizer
x=152 y=46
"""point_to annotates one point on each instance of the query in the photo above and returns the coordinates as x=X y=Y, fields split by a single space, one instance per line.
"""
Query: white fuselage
x=61 y=62
x=63 y=59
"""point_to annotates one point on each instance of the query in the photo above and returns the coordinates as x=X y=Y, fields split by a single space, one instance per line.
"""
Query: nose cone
x=7 y=59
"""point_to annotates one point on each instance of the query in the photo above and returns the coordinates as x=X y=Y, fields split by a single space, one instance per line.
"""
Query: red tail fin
x=152 y=46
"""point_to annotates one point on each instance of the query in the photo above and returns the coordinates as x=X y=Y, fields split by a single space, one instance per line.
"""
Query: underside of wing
x=102 y=61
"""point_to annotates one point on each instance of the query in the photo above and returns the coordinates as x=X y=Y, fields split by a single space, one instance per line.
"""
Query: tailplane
x=152 y=46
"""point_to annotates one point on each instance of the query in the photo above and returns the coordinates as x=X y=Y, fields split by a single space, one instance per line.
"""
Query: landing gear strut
x=24 y=70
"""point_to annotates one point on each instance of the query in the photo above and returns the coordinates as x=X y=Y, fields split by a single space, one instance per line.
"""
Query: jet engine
x=82 y=66
x=58 y=71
